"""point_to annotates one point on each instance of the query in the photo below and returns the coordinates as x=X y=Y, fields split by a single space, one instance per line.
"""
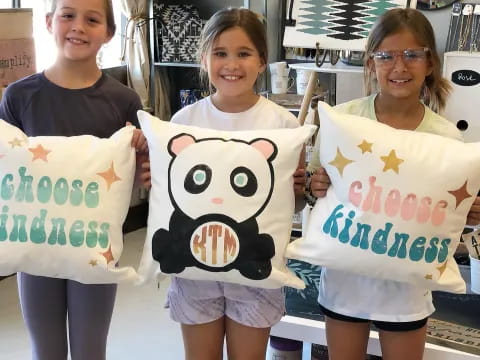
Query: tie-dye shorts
x=199 y=302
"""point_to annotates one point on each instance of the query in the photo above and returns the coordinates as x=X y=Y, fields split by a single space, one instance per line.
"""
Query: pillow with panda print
x=63 y=201
x=397 y=204
x=221 y=203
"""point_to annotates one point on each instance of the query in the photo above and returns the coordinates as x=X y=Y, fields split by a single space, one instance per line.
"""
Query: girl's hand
x=138 y=140
x=142 y=171
x=319 y=183
x=299 y=179
x=473 y=217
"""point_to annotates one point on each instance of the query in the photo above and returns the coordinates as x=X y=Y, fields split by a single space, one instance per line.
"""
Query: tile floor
x=140 y=329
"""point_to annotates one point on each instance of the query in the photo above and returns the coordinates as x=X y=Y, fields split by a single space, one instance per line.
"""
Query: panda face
x=207 y=178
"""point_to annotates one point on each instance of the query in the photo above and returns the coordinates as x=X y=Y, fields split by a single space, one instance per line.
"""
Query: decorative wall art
x=335 y=24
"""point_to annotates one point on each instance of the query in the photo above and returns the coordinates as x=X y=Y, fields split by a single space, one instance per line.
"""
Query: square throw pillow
x=63 y=201
x=397 y=204
x=221 y=203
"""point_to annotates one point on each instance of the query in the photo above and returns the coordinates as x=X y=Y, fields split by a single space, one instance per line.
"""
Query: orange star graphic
x=93 y=262
x=16 y=142
x=428 y=276
x=460 y=194
x=110 y=176
x=442 y=268
x=365 y=146
x=391 y=162
x=39 y=152
x=108 y=255
x=340 y=162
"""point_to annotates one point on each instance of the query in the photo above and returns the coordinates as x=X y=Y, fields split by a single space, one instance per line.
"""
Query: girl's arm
x=319 y=180
x=299 y=179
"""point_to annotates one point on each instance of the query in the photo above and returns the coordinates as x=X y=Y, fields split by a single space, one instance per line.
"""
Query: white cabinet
x=462 y=69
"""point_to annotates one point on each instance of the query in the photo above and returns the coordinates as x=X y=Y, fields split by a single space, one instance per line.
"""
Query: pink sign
x=17 y=60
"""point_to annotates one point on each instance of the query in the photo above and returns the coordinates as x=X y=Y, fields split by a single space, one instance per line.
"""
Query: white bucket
x=279 y=68
x=281 y=84
x=475 y=275
x=302 y=80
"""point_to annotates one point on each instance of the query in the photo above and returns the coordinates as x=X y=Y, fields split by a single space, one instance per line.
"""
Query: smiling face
x=401 y=80
x=79 y=28
x=233 y=64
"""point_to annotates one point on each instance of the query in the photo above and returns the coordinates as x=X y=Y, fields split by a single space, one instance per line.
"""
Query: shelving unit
x=173 y=64
x=339 y=67
x=185 y=75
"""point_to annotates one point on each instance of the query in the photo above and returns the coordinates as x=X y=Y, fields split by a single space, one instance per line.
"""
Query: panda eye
x=240 y=180
x=243 y=181
x=197 y=179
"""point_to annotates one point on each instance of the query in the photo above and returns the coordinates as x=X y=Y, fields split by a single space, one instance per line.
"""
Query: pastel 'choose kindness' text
x=41 y=229
x=339 y=225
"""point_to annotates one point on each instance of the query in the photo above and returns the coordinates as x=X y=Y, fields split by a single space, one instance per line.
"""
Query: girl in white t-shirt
x=402 y=77
x=233 y=55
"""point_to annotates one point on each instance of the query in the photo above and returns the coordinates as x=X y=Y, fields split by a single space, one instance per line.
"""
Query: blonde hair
x=226 y=19
x=436 y=89
x=111 y=26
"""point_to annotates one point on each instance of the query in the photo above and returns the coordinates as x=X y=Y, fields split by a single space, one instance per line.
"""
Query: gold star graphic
x=365 y=146
x=340 y=162
x=16 y=142
x=428 y=276
x=93 y=262
x=110 y=176
x=460 y=194
x=108 y=255
x=442 y=268
x=39 y=152
x=391 y=161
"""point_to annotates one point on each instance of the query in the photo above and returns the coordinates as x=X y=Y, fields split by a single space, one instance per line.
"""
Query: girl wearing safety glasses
x=405 y=87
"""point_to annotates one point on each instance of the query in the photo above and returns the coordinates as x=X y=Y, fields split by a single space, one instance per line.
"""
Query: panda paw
x=160 y=244
x=169 y=266
x=256 y=270
x=265 y=247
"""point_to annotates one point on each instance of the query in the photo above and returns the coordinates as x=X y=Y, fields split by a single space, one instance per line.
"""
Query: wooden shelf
x=175 y=64
x=339 y=67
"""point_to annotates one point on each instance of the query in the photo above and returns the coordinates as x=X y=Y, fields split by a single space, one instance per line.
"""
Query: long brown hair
x=436 y=88
x=228 y=18
x=111 y=26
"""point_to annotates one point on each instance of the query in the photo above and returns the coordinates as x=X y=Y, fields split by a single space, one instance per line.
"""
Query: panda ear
x=179 y=143
x=266 y=147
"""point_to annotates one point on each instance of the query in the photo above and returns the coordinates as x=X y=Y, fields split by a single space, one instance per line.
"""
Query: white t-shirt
x=265 y=114
x=370 y=298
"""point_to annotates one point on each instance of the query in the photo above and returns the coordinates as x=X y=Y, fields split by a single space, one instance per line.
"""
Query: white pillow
x=397 y=204
x=236 y=185
x=63 y=201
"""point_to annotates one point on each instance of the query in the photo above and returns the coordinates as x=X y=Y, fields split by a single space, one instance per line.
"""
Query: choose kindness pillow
x=63 y=201
x=221 y=203
x=397 y=204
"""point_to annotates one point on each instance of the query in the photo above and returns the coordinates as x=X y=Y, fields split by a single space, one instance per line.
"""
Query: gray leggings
x=45 y=303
